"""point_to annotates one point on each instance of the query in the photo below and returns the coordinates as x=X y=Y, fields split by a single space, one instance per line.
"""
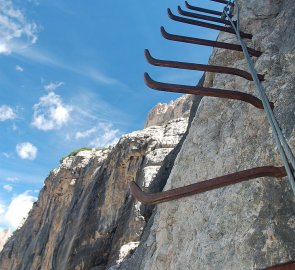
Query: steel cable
x=281 y=142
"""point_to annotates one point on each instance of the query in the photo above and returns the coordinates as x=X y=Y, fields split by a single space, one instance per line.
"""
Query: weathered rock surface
x=249 y=225
x=163 y=113
x=85 y=217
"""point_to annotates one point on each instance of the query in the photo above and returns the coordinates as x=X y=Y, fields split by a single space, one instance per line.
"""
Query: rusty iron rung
x=202 y=17
x=191 y=66
x=206 y=42
x=214 y=183
x=223 y=2
x=204 y=10
x=283 y=266
x=206 y=25
x=203 y=91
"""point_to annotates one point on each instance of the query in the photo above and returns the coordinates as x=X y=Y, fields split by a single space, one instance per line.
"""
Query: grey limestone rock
x=248 y=225
x=85 y=217
x=163 y=113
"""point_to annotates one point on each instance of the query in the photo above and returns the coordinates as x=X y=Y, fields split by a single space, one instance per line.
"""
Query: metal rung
x=204 y=10
x=203 y=91
x=281 y=142
x=218 y=182
x=206 y=25
x=223 y=2
x=284 y=266
x=191 y=66
x=206 y=42
x=202 y=17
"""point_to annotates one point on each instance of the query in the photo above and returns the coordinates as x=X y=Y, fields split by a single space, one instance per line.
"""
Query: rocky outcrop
x=85 y=217
x=249 y=225
x=163 y=113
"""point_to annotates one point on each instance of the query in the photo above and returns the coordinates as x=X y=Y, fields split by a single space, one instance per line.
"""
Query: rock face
x=85 y=217
x=249 y=225
x=163 y=113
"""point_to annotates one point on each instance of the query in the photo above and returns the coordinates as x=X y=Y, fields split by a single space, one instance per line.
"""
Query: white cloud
x=26 y=150
x=7 y=113
x=7 y=155
x=15 y=30
x=85 y=134
x=98 y=76
x=49 y=59
x=8 y=188
x=12 y=179
x=14 y=127
x=50 y=113
x=53 y=86
x=36 y=2
x=102 y=135
x=2 y=209
x=17 y=210
x=4 y=236
x=19 y=68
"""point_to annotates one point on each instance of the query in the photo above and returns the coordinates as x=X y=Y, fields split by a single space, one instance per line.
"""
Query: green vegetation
x=75 y=152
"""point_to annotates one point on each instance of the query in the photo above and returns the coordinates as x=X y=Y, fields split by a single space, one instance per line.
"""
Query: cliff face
x=249 y=225
x=85 y=217
x=163 y=113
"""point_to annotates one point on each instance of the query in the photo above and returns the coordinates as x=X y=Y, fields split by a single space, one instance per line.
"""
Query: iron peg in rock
x=204 y=91
x=202 y=17
x=205 y=42
x=204 y=186
x=206 y=25
x=204 y=10
x=192 y=66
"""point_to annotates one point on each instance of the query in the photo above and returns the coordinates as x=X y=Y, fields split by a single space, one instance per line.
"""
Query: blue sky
x=71 y=76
